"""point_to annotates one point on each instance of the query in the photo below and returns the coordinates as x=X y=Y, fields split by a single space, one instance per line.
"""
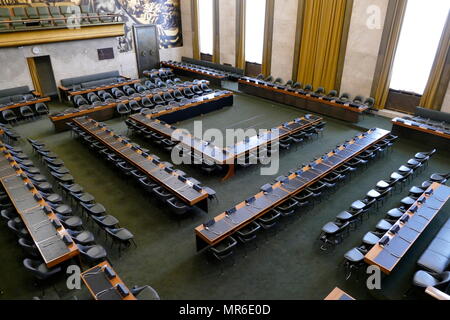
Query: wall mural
x=165 y=14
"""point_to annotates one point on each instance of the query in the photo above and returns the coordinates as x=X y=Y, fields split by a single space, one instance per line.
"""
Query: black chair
x=93 y=253
x=18 y=228
x=93 y=209
x=123 y=110
x=39 y=269
x=71 y=222
x=82 y=237
x=178 y=207
x=41 y=108
x=26 y=112
x=332 y=234
x=134 y=106
x=145 y=293
x=188 y=93
x=224 y=249
x=122 y=236
x=29 y=247
x=104 y=222
x=9 y=116
x=147 y=103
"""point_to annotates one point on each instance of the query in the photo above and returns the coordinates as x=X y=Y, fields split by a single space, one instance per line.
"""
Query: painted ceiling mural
x=165 y=14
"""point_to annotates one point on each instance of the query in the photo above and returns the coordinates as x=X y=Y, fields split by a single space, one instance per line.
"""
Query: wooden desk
x=289 y=96
x=226 y=156
x=338 y=294
x=149 y=166
x=101 y=286
x=102 y=112
x=47 y=236
x=242 y=214
x=430 y=134
x=388 y=256
x=25 y=103
x=214 y=77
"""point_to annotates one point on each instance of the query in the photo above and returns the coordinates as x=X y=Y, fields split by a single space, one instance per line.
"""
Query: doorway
x=41 y=72
x=146 y=42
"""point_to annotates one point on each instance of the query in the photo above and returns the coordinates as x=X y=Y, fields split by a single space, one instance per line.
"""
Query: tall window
x=205 y=26
x=255 y=14
x=419 y=39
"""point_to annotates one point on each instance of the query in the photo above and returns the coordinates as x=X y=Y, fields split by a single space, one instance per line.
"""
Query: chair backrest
x=31 y=11
x=54 y=11
x=43 y=11
x=5 y=13
x=19 y=12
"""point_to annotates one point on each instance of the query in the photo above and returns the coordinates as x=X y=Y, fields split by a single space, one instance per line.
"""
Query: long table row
x=433 y=133
x=52 y=240
x=225 y=156
x=180 y=187
x=332 y=107
x=388 y=252
x=215 y=77
x=225 y=224
x=106 y=111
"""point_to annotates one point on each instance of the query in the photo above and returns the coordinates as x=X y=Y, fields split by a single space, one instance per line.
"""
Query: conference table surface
x=101 y=286
x=424 y=127
x=33 y=209
x=198 y=70
x=228 y=155
x=151 y=167
x=333 y=102
x=338 y=294
x=242 y=214
x=419 y=215
x=4 y=107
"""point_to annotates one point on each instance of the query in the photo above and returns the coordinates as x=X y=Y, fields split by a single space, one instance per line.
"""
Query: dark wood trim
x=344 y=40
x=268 y=38
x=298 y=38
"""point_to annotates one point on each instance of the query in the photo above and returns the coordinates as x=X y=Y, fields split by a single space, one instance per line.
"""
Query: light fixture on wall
x=36 y=50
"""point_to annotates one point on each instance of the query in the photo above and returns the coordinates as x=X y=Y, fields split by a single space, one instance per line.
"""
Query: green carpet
x=288 y=265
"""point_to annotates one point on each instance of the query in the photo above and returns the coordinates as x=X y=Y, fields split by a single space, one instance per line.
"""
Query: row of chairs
x=354 y=258
x=333 y=232
x=57 y=16
x=9 y=135
x=168 y=99
x=162 y=73
x=128 y=92
x=84 y=201
x=90 y=252
x=148 y=185
x=306 y=198
x=320 y=91
x=24 y=113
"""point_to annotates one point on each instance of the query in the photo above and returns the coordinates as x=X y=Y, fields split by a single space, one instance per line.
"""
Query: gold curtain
x=34 y=75
x=431 y=98
x=386 y=55
x=268 y=38
x=240 y=34
x=195 y=38
x=323 y=23
x=216 y=32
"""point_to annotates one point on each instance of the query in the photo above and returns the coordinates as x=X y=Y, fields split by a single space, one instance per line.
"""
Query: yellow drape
x=323 y=22
x=240 y=34
x=195 y=38
x=430 y=98
x=387 y=53
x=268 y=38
x=34 y=75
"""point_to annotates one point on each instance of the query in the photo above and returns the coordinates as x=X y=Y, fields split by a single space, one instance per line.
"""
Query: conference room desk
x=289 y=96
x=215 y=78
x=228 y=156
x=245 y=212
x=338 y=294
x=419 y=216
x=106 y=111
x=152 y=168
x=103 y=285
x=41 y=222
x=432 y=135
x=4 y=107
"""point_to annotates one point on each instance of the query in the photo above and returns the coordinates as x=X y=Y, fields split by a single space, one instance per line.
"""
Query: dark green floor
x=288 y=265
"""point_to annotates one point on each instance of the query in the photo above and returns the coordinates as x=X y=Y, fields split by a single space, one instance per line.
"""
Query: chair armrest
x=437 y=294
